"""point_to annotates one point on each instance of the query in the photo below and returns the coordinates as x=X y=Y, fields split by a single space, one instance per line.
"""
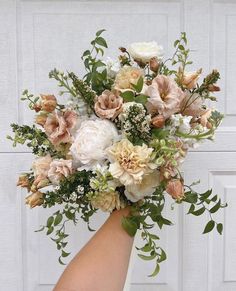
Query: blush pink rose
x=164 y=96
x=59 y=169
x=58 y=126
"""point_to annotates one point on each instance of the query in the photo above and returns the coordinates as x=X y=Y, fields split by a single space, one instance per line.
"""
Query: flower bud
x=34 y=199
x=154 y=65
x=122 y=49
x=48 y=102
x=41 y=118
x=37 y=107
x=189 y=80
x=23 y=181
x=175 y=188
x=158 y=121
x=213 y=88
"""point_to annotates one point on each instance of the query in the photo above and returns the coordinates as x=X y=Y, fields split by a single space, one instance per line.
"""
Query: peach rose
x=41 y=166
x=58 y=126
x=164 y=96
x=126 y=77
x=175 y=188
x=48 y=102
x=59 y=169
x=34 y=199
x=108 y=105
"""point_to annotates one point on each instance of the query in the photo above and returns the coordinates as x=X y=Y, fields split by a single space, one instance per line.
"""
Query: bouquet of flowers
x=120 y=140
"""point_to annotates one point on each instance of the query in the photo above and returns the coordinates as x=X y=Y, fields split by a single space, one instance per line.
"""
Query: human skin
x=102 y=264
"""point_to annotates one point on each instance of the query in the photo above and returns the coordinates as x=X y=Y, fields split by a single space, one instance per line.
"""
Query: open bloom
x=41 y=166
x=126 y=77
x=108 y=105
x=59 y=169
x=91 y=141
x=164 y=96
x=144 y=51
x=129 y=163
x=192 y=104
x=58 y=126
x=146 y=187
x=107 y=201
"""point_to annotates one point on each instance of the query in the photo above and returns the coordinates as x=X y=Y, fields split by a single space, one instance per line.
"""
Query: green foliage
x=180 y=56
x=31 y=98
x=83 y=91
x=63 y=82
x=75 y=203
x=96 y=75
x=35 y=139
x=201 y=203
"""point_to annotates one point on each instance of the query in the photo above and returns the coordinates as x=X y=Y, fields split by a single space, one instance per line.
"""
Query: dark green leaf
x=64 y=254
x=209 y=226
x=139 y=86
x=99 y=32
x=219 y=228
x=216 y=207
x=50 y=221
x=191 y=197
x=58 y=219
x=199 y=211
x=101 y=41
x=60 y=261
x=50 y=230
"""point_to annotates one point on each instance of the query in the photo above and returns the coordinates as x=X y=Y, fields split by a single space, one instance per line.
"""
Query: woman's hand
x=102 y=264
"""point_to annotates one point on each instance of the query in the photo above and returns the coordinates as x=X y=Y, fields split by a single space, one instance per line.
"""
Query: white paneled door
x=35 y=37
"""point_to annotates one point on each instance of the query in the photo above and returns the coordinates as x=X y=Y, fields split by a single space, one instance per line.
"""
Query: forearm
x=102 y=263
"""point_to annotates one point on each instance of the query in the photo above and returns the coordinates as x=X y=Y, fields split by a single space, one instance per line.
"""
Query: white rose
x=144 y=51
x=91 y=141
x=149 y=182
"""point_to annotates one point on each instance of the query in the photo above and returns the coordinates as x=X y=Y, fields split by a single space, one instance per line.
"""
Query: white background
x=35 y=37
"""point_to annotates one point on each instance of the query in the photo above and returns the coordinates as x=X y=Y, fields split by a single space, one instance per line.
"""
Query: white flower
x=144 y=51
x=181 y=122
x=147 y=186
x=91 y=141
x=112 y=67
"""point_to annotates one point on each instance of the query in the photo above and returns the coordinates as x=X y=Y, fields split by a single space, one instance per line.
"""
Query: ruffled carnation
x=130 y=163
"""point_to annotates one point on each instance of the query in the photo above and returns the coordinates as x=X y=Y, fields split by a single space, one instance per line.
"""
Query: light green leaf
x=156 y=271
x=99 y=32
x=58 y=219
x=129 y=225
x=147 y=258
x=128 y=96
x=141 y=99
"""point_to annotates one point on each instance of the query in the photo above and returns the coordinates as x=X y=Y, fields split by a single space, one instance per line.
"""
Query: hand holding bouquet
x=120 y=141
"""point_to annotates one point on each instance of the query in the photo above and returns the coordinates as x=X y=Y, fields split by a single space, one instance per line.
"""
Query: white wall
x=36 y=36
